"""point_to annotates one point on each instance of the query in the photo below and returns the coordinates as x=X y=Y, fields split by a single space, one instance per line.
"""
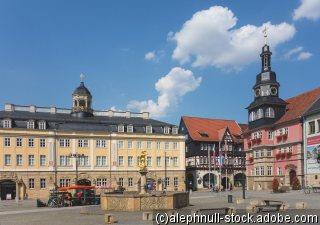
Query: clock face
x=257 y=92
x=274 y=91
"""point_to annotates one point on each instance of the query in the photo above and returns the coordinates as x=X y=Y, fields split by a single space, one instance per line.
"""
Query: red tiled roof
x=299 y=104
x=211 y=127
x=243 y=126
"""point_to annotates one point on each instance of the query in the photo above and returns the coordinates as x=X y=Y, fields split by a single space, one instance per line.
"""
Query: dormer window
x=30 y=124
x=7 y=123
x=120 y=128
x=42 y=125
x=166 y=130
x=130 y=129
x=149 y=129
x=175 y=130
x=260 y=113
x=270 y=112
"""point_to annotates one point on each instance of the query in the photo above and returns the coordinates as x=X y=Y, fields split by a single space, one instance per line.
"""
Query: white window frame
x=31 y=160
x=31 y=142
x=7 y=123
x=42 y=125
x=130 y=161
x=42 y=142
x=42 y=160
x=130 y=129
x=7 y=142
x=130 y=182
x=166 y=130
x=129 y=143
x=149 y=129
x=7 y=159
x=83 y=143
x=120 y=160
x=175 y=130
x=120 y=128
x=158 y=161
x=30 y=124
x=42 y=183
x=19 y=142
x=19 y=160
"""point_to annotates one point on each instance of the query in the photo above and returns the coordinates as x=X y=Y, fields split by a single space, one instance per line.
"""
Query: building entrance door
x=7 y=189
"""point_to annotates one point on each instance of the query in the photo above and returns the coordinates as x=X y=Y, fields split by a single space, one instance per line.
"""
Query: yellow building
x=41 y=147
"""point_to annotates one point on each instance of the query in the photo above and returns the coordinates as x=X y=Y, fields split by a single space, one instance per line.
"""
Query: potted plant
x=275 y=185
x=289 y=154
x=296 y=184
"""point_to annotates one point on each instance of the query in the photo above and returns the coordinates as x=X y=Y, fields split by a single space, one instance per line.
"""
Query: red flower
x=289 y=154
x=283 y=155
x=278 y=155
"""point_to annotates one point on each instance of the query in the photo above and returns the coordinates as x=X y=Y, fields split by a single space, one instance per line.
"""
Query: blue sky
x=45 y=45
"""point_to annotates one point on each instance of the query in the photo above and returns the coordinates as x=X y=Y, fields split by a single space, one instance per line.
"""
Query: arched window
x=270 y=112
x=260 y=114
x=252 y=116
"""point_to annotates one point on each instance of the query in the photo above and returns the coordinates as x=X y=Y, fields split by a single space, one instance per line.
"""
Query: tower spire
x=82 y=76
x=265 y=35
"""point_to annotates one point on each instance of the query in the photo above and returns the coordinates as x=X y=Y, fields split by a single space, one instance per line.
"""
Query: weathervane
x=265 y=34
x=82 y=77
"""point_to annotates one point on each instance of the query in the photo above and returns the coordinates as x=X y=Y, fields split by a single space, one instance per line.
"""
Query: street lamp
x=76 y=156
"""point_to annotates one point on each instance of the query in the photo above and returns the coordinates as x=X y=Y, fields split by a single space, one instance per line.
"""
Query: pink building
x=274 y=140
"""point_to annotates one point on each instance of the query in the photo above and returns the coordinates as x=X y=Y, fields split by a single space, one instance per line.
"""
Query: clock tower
x=267 y=106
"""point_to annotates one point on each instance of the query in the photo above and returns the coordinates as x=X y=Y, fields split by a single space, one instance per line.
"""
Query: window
x=7 y=142
x=175 y=181
x=19 y=142
x=100 y=143
x=175 y=161
x=120 y=144
x=286 y=130
x=279 y=171
x=262 y=171
x=167 y=161
x=158 y=161
x=257 y=154
x=269 y=112
x=42 y=142
x=175 y=145
x=30 y=124
x=312 y=127
x=7 y=160
x=64 y=160
x=149 y=161
x=120 y=128
x=130 y=129
x=130 y=181
x=31 y=183
x=139 y=145
x=269 y=170
x=64 y=143
x=269 y=152
x=149 y=129
x=19 y=160
x=149 y=143
x=102 y=182
x=167 y=181
x=158 y=145
x=252 y=116
x=260 y=113
x=42 y=125
x=166 y=145
x=31 y=160
x=101 y=160
x=130 y=161
x=6 y=124
x=83 y=143
x=42 y=160
x=166 y=130
x=31 y=142
x=129 y=144
x=175 y=130
x=257 y=171
x=42 y=183
x=262 y=153
x=65 y=182
x=318 y=122
x=121 y=181
x=120 y=160
x=270 y=135
x=84 y=161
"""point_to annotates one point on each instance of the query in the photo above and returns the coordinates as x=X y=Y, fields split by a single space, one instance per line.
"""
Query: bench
x=269 y=204
x=226 y=210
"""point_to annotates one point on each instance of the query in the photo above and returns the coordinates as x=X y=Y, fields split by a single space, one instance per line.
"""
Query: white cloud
x=309 y=9
x=304 y=55
x=171 y=88
x=150 y=56
x=210 y=38
x=298 y=54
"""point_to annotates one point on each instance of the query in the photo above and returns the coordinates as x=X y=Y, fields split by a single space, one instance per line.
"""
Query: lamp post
x=76 y=156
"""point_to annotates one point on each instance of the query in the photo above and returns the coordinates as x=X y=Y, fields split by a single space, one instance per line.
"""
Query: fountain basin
x=131 y=202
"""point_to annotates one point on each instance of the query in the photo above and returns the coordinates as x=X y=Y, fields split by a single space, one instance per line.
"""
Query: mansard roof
x=197 y=126
x=61 y=119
